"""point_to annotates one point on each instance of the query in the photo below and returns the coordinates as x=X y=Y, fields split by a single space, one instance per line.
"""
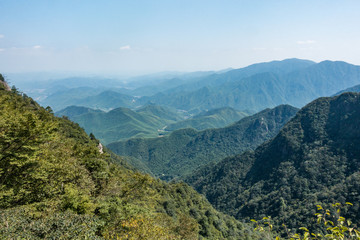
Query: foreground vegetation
x=330 y=225
x=56 y=184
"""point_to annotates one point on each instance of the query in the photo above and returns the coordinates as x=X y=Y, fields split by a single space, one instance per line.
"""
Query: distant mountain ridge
x=214 y=118
x=313 y=160
x=184 y=150
x=121 y=123
x=351 y=89
x=267 y=88
x=253 y=88
x=217 y=79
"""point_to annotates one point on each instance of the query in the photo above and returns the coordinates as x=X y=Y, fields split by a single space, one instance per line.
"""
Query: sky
x=143 y=36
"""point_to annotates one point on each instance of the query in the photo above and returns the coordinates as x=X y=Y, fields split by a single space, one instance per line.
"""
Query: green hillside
x=121 y=123
x=185 y=150
x=215 y=118
x=313 y=160
x=55 y=183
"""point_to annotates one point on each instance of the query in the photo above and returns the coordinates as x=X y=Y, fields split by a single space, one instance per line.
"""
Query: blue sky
x=138 y=36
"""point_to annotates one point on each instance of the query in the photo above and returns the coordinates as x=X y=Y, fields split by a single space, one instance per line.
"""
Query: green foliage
x=330 y=225
x=76 y=201
x=22 y=223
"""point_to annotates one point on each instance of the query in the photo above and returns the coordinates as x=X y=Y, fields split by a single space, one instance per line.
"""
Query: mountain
x=222 y=77
x=56 y=182
x=64 y=92
x=149 y=85
x=161 y=112
x=313 y=160
x=252 y=88
x=96 y=98
x=215 y=118
x=185 y=150
x=266 y=87
x=351 y=89
x=58 y=99
x=74 y=111
x=107 y=100
x=121 y=123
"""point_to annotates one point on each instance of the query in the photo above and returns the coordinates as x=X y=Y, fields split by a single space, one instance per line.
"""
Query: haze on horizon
x=181 y=35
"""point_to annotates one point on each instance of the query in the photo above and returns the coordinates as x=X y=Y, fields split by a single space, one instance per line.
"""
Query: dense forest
x=56 y=183
x=313 y=160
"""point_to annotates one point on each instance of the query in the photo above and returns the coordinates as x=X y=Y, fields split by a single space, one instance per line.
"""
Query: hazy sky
x=160 y=35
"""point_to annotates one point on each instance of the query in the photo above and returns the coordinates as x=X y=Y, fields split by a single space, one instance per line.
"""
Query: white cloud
x=36 y=47
x=2 y=36
x=2 y=49
x=127 y=47
x=306 y=42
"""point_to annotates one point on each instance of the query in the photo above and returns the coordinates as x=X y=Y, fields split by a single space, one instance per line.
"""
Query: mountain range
x=250 y=89
x=265 y=87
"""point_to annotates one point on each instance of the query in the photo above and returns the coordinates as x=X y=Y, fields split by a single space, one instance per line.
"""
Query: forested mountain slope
x=184 y=150
x=56 y=184
x=314 y=159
